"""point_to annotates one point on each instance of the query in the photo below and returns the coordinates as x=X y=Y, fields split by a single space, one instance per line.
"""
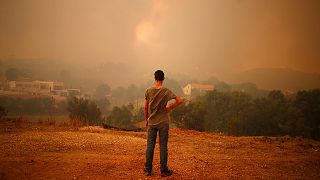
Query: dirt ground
x=43 y=151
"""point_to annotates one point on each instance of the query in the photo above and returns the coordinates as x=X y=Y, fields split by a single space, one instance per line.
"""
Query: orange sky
x=201 y=36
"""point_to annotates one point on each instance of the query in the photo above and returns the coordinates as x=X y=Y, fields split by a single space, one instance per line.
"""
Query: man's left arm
x=174 y=105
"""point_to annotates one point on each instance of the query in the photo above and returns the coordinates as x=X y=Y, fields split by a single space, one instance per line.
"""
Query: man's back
x=158 y=99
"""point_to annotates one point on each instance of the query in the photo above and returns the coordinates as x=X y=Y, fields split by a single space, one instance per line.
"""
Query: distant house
x=36 y=87
x=58 y=86
x=27 y=87
x=194 y=90
x=12 y=85
x=74 y=92
x=55 y=89
x=59 y=89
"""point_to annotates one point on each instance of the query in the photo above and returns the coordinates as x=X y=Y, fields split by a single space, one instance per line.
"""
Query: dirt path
x=39 y=152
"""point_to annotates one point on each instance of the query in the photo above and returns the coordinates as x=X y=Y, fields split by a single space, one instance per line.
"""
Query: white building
x=193 y=90
x=36 y=87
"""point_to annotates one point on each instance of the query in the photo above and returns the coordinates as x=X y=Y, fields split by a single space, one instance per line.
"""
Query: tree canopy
x=237 y=113
x=102 y=90
x=84 y=110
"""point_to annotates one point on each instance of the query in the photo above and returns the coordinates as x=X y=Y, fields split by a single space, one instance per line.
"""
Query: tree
x=132 y=93
x=103 y=104
x=3 y=112
x=309 y=104
x=138 y=115
x=222 y=86
x=121 y=117
x=218 y=111
x=93 y=113
x=190 y=116
x=119 y=92
x=102 y=90
x=13 y=74
x=276 y=95
x=33 y=105
x=1 y=70
x=84 y=110
x=61 y=107
x=237 y=113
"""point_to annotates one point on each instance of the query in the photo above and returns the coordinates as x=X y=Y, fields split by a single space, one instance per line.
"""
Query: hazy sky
x=209 y=37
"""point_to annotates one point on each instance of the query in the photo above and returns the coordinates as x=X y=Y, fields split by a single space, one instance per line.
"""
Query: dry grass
x=36 y=151
x=92 y=129
x=43 y=118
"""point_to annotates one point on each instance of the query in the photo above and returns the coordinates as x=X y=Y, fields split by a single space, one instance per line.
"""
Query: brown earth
x=39 y=151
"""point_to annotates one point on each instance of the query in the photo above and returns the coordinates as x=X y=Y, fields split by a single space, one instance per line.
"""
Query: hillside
x=279 y=78
x=34 y=151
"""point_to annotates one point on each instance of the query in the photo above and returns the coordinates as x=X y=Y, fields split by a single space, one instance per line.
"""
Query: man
x=156 y=116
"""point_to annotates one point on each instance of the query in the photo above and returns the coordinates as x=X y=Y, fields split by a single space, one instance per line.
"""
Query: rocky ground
x=49 y=151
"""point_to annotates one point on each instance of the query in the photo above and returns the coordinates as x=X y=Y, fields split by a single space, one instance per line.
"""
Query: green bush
x=121 y=117
x=87 y=112
x=3 y=112
x=237 y=113
x=32 y=105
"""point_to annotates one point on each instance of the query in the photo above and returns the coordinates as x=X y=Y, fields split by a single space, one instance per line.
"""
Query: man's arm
x=177 y=103
x=146 y=113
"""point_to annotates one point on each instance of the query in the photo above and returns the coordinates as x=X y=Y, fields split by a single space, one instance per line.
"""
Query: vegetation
x=13 y=74
x=125 y=117
x=128 y=94
x=32 y=106
x=249 y=88
x=237 y=113
x=138 y=115
x=87 y=112
x=102 y=91
x=121 y=117
x=103 y=104
x=237 y=109
x=3 y=112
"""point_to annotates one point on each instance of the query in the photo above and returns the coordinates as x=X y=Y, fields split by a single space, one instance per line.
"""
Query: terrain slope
x=34 y=151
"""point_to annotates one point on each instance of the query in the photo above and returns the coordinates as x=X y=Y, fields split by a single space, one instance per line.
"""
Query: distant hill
x=279 y=78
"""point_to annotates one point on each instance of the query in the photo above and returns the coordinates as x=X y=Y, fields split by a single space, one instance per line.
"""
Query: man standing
x=156 y=116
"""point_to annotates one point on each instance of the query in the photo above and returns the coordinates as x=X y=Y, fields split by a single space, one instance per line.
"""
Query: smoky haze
x=202 y=38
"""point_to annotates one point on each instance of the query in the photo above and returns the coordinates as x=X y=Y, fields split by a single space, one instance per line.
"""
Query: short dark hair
x=159 y=75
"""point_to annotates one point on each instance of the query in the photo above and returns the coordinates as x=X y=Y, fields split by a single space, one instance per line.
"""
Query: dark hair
x=159 y=75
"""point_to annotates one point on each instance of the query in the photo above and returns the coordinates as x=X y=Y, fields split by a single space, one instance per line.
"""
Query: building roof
x=202 y=86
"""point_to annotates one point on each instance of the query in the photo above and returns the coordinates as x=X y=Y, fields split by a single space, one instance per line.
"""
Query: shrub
x=84 y=110
x=121 y=117
x=3 y=112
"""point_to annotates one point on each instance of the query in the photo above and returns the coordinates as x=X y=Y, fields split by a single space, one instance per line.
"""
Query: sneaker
x=166 y=173
x=147 y=172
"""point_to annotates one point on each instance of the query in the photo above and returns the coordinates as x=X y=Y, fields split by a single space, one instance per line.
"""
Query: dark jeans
x=151 y=142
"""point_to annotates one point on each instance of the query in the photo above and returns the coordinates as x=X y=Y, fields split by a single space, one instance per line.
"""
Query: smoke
x=202 y=38
x=146 y=29
x=149 y=46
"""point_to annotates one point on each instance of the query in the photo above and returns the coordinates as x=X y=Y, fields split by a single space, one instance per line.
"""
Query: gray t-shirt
x=158 y=99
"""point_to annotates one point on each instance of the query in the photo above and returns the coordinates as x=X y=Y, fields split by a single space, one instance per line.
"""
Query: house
x=194 y=90
x=74 y=92
x=36 y=87
x=58 y=85
x=12 y=85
